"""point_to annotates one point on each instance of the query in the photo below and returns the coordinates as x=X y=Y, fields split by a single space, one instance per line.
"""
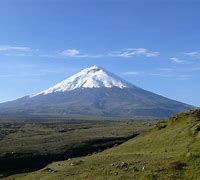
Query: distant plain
x=27 y=145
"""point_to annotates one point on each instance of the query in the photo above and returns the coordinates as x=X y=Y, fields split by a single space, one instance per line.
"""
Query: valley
x=168 y=151
x=28 y=145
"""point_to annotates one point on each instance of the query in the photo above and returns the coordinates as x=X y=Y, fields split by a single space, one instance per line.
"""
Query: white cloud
x=177 y=60
x=125 y=53
x=131 y=52
x=77 y=54
x=23 y=51
x=187 y=58
x=71 y=53
x=9 y=50
x=14 y=48
x=194 y=54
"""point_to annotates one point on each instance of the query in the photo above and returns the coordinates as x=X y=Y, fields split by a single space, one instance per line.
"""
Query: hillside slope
x=169 y=151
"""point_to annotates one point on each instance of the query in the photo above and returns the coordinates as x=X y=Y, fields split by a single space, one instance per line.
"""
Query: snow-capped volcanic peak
x=93 y=77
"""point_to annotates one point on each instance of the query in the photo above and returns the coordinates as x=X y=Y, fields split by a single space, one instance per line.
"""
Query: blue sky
x=153 y=44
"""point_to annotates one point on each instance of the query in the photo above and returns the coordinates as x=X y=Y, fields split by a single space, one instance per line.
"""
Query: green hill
x=169 y=151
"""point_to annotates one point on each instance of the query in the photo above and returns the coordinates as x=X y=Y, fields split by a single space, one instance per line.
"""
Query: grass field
x=171 y=150
x=33 y=144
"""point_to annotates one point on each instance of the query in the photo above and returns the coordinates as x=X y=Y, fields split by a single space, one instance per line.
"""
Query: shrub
x=177 y=165
x=161 y=125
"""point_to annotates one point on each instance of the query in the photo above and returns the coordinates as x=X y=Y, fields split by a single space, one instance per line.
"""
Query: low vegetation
x=31 y=145
x=169 y=152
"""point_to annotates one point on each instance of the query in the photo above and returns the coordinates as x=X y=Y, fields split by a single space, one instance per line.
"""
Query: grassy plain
x=171 y=150
x=28 y=144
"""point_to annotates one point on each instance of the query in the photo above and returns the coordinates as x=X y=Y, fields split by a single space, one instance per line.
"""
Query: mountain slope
x=169 y=151
x=95 y=91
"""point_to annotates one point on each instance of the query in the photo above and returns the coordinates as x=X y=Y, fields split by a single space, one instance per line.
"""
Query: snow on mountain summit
x=92 y=77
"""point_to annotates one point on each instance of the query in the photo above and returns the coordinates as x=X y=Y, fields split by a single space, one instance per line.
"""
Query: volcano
x=95 y=91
